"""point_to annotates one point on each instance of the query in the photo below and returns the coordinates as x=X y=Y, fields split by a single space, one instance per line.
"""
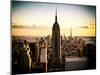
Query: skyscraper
x=56 y=52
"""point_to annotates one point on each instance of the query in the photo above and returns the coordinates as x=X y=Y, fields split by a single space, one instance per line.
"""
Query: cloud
x=88 y=26
x=85 y=27
x=29 y=26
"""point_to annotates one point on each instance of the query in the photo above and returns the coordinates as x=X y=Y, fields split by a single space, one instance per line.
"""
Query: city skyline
x=36 y=19
x=52 y=37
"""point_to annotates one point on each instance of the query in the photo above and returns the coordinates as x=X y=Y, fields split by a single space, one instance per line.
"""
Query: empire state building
x=56 y=51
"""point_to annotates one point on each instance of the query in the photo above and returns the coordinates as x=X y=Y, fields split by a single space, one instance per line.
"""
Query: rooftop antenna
x=56 y=15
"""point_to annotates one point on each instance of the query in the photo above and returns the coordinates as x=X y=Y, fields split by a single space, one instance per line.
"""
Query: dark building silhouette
x=91 y=55
x=56 y=52
x=19 y=59
x=35 y=52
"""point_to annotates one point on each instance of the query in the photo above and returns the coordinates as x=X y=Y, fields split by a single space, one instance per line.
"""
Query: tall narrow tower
x=71 y=32
x=70 y=38
x=56 y=51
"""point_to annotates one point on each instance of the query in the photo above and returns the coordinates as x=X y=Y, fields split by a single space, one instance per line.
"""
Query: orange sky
x=36 y=19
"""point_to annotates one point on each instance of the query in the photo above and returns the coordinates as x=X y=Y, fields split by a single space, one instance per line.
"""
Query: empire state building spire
x=56 y=16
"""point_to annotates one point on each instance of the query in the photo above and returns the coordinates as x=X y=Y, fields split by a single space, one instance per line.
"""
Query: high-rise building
x=56 y=51
x=43 y=54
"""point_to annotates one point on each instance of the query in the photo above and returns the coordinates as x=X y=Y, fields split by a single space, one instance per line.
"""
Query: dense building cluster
x=41 y=51
x=73 y=46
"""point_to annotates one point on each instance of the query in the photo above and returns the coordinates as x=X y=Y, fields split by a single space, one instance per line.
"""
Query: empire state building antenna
x=56 y=15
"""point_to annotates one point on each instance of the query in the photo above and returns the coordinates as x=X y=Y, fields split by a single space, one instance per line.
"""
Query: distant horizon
x=51 y=36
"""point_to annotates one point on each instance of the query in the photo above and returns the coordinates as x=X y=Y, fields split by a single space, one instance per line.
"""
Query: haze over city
x=36 y=19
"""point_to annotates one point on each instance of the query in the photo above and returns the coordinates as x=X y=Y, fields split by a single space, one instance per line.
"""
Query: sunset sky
x=37 y=19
